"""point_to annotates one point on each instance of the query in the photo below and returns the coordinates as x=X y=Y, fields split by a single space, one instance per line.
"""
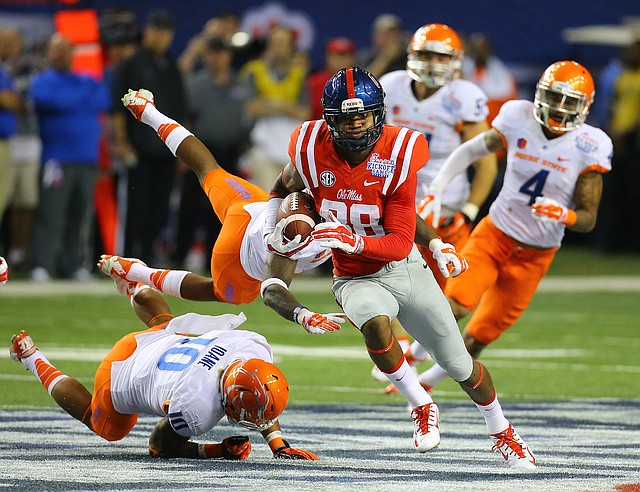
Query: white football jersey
x=183 y=371
x=253 y=250
x=439 y=117
x=537 y=166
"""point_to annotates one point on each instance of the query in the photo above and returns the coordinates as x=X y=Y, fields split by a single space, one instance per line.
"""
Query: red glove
x=333 y=234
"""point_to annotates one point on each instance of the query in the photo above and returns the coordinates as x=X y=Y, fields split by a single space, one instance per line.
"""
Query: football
x=299 y=210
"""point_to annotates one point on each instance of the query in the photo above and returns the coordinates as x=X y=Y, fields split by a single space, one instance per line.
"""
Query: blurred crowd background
x=79 y=177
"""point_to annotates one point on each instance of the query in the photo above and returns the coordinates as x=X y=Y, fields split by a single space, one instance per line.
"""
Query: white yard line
x=22 y=288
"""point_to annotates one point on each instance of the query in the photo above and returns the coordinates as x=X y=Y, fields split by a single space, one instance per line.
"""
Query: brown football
x=299 y=210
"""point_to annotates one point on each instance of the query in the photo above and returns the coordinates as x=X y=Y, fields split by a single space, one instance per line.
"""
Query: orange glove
x=231 y=448
x=282 y=450
x=455 y=228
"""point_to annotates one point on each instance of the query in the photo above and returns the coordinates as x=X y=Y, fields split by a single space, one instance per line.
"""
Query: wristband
x=273 y=435
x=296 y=311
x=470 y=210
x=571 y=217
x=435 y=243
x=272 y=281
x=139 y=288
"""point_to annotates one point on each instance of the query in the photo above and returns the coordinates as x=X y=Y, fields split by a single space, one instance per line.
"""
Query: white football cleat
x=117 y=266
x=378 y=375
x=22 y=346
x=136 y=101
x=426 y=434
x=513 y=449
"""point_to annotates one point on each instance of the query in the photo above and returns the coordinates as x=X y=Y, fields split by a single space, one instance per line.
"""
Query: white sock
x=40 y=366
x=493 y=416
x=404 y=344
x=407 y=383
x=433 y=375
x=418 y=351
x=170 y=131
x=167 y=281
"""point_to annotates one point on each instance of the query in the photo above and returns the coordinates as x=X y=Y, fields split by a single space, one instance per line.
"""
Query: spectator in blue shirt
x=10 y=104
x=68 y=106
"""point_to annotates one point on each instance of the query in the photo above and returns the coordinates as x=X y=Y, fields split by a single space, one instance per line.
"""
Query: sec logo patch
x=327 y=178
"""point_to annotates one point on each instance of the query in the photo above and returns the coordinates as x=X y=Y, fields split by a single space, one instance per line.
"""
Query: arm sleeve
x=460 y=159
x=399 y=224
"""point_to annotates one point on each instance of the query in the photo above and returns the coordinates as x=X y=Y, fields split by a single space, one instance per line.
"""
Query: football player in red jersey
x=362 y=174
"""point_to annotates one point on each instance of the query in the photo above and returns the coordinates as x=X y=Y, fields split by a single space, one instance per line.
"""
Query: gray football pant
x=407 y=290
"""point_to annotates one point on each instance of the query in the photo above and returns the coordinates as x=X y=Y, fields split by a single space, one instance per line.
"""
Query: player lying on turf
x=239 y=256
x=190 y=381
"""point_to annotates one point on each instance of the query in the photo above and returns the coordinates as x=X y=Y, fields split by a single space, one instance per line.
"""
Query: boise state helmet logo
x=327 y=178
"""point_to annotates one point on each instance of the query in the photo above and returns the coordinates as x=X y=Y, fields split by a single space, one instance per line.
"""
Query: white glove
x=277 y=243
x=450 y=262
x=4 y=271
x=318 y=324
x=549 y=210
x=333 y=234
x=430 y=205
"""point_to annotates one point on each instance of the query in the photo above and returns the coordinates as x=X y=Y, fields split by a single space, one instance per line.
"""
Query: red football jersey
x=376 y=198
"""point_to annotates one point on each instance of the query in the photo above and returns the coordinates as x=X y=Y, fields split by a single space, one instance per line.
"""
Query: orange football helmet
x=564 y=95
x=434 y=38
x=254 y=393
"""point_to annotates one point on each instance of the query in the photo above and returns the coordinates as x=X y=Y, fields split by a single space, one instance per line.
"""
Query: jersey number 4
x=533 y=186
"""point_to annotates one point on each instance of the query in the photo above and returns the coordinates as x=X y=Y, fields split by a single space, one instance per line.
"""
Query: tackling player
x=190 y=381
x=553 y=180
x=362 y=174
x=429 y=97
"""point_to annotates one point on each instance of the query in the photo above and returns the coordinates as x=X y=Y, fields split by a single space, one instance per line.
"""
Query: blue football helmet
x=353 y=90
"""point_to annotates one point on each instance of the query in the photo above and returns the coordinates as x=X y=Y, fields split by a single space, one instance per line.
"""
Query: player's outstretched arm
x=281 y=448
x=180 y=141
x=164 y=442
x=275 y=294
x=150 y=306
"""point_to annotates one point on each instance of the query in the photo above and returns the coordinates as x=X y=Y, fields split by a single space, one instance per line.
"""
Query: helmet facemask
x=355 y=140
x=430 y=73
x=560 y=108
x=254 y=393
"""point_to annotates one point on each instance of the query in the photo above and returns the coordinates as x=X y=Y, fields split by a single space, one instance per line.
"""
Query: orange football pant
x=228 y=194
x=503 y=276
x=106 y=421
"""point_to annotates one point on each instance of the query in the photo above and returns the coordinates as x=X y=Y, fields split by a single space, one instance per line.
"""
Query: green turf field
x=567 y=344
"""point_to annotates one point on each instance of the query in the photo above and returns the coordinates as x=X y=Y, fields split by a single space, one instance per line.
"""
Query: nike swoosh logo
x=563 y=159
x=370 y=183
